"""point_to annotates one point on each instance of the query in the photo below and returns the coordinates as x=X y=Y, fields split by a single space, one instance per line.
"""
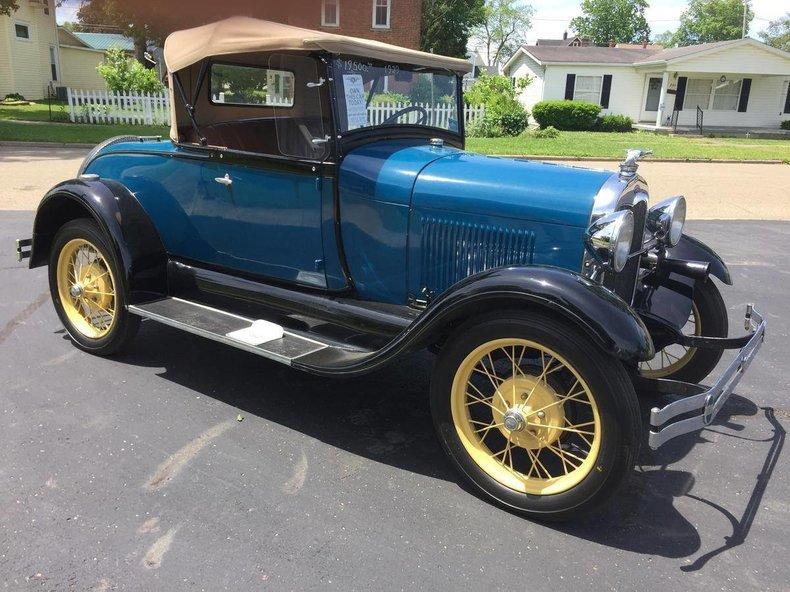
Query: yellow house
x=29 y=60
x=79 y=57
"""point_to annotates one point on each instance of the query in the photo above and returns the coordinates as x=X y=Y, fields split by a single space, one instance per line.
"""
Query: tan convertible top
x=243 y=34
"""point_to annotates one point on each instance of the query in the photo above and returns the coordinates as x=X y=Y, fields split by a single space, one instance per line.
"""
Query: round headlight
x=667 y=218
x=609 y=239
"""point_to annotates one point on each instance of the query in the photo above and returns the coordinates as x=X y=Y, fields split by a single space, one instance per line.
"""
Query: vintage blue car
x=291 y=217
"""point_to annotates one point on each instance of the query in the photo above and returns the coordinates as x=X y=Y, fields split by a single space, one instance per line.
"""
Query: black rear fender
x=120 y=216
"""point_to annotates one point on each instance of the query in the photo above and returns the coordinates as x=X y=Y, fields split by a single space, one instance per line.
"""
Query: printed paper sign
x=356 y=110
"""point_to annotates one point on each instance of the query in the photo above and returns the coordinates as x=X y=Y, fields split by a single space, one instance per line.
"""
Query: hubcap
x=526 y=416
x=86 y=288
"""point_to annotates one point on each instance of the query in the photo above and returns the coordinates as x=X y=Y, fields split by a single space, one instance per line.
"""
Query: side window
x=233 y=84
x=274 y=108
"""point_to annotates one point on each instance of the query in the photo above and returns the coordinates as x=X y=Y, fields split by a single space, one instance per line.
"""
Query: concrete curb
x=15 y=144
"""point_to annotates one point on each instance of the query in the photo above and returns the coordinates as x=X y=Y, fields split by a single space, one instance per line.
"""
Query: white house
x=738 y=83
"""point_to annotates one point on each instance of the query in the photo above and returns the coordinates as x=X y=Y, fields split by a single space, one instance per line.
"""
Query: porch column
x=662 y=99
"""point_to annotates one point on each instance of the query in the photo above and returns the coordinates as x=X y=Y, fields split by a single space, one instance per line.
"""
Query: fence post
x=71 y=104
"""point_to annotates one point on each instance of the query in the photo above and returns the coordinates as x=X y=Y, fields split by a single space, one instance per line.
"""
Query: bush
x=566 y=115
x=390 y=97
x=785 y=124
x=505 y=115
x=14 y=97
x=122 y=74
x=614 y=123
x=546 y=132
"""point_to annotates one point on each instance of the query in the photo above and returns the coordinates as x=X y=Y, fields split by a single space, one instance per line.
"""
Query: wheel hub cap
x=75 y=291
x=531 y=412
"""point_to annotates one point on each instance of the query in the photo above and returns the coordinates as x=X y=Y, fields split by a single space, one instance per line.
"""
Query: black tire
x=125 y=325
x=713 y=319
x=608 y=381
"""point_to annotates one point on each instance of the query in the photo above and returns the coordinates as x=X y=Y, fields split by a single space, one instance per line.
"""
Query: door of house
x=652 y=98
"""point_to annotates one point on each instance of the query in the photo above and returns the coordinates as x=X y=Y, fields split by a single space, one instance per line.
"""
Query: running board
x=253 y=335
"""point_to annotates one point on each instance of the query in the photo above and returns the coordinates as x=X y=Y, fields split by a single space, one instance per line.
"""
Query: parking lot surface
x=134 y=473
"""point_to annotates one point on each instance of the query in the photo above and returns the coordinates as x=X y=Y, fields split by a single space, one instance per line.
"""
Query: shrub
x=566 y=115
x=390 y=97
x=614 y=123
x=786 y=124
x=505 y=115
x=546 y=132
x=14 y=97
x=122 y=74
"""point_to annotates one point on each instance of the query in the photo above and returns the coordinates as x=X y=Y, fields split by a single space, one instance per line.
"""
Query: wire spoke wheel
x=86 y=288
x=674 y=357
x=526 y=416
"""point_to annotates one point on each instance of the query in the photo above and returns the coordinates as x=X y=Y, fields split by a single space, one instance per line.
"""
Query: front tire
x=708 y=318
x=534 y=415
x=86 y=289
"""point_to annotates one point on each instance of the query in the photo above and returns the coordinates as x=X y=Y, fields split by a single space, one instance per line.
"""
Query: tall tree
x=778 y=33
x=706 y=21
x=448 y=24
x=8 y=6
x=607 y=21
x=504 y=29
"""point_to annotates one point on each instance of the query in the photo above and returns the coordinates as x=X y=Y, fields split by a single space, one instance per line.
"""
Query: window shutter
x=746 y=86
x=570 y=83
x=680 y=94
x=787 y=100
x=606 y=90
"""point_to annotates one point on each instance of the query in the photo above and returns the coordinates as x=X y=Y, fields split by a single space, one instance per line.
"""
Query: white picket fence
x=135 y=108
x=96 y=106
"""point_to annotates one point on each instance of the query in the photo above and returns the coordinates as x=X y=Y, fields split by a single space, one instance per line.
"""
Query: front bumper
x=697 y=397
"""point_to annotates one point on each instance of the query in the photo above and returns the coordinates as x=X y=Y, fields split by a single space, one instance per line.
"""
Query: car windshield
x=372 y=94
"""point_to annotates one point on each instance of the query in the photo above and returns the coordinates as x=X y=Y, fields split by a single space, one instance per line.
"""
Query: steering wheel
x=422 y=119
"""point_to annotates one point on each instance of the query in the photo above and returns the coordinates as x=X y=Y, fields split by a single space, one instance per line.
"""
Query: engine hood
x=509 y=188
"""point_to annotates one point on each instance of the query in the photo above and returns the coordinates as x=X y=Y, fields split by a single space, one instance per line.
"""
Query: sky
x=552 y=17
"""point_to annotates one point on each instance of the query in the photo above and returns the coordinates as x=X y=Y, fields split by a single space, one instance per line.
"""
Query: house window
x=381 y=14
x=330 y=13
x=22 y=31
x=697 y=94
x=588 y=89
x=53 y=62
x=726 y=96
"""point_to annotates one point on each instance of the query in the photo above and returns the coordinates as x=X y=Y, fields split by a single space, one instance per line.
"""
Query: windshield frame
x=393 y=130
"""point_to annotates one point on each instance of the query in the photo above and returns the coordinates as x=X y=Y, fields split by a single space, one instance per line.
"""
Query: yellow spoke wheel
x=86 y=288
x=526 y=416
x=675 y=357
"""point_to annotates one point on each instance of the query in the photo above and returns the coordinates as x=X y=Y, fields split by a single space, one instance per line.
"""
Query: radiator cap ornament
x=630 y=165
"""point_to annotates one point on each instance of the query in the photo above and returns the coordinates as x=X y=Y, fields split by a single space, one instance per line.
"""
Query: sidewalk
x=715 y=191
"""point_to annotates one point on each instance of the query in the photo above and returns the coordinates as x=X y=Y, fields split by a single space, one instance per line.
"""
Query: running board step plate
x=253 y=335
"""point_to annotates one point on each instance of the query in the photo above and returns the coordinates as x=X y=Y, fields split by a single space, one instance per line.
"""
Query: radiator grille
x=453 y=250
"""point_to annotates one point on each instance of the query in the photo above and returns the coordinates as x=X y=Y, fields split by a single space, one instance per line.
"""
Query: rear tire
x=87 y=290
x=585 y=445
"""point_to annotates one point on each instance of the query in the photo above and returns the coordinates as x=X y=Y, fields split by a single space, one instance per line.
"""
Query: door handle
x=226 y=180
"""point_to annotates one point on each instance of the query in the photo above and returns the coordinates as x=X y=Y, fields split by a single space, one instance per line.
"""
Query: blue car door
x=266 y=185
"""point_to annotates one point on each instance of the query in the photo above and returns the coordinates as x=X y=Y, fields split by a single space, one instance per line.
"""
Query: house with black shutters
x=740 y=83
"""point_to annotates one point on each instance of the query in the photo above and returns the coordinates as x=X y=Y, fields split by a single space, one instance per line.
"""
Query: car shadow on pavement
x=385 y=417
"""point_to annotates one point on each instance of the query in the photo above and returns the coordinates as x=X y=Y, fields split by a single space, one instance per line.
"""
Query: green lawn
x=605 y=145
x=13 y=126
x=73 y=133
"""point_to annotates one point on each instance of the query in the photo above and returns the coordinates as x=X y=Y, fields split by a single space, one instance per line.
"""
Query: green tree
x=504 y=29
x=706 y=21
x=620 y=21
x=778 y=33
x=8 y=6
x=448 y=24
x=122 y=74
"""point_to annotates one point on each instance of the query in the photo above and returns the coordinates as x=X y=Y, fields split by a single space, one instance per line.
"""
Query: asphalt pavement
x=134 y=473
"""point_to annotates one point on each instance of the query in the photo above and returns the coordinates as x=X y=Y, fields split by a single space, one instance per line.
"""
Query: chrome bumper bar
x=23 y=248
x=710 y=401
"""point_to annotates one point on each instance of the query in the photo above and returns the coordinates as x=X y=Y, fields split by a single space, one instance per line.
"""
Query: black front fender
x=593 y=309
x=120 y=216
x=691 y=249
